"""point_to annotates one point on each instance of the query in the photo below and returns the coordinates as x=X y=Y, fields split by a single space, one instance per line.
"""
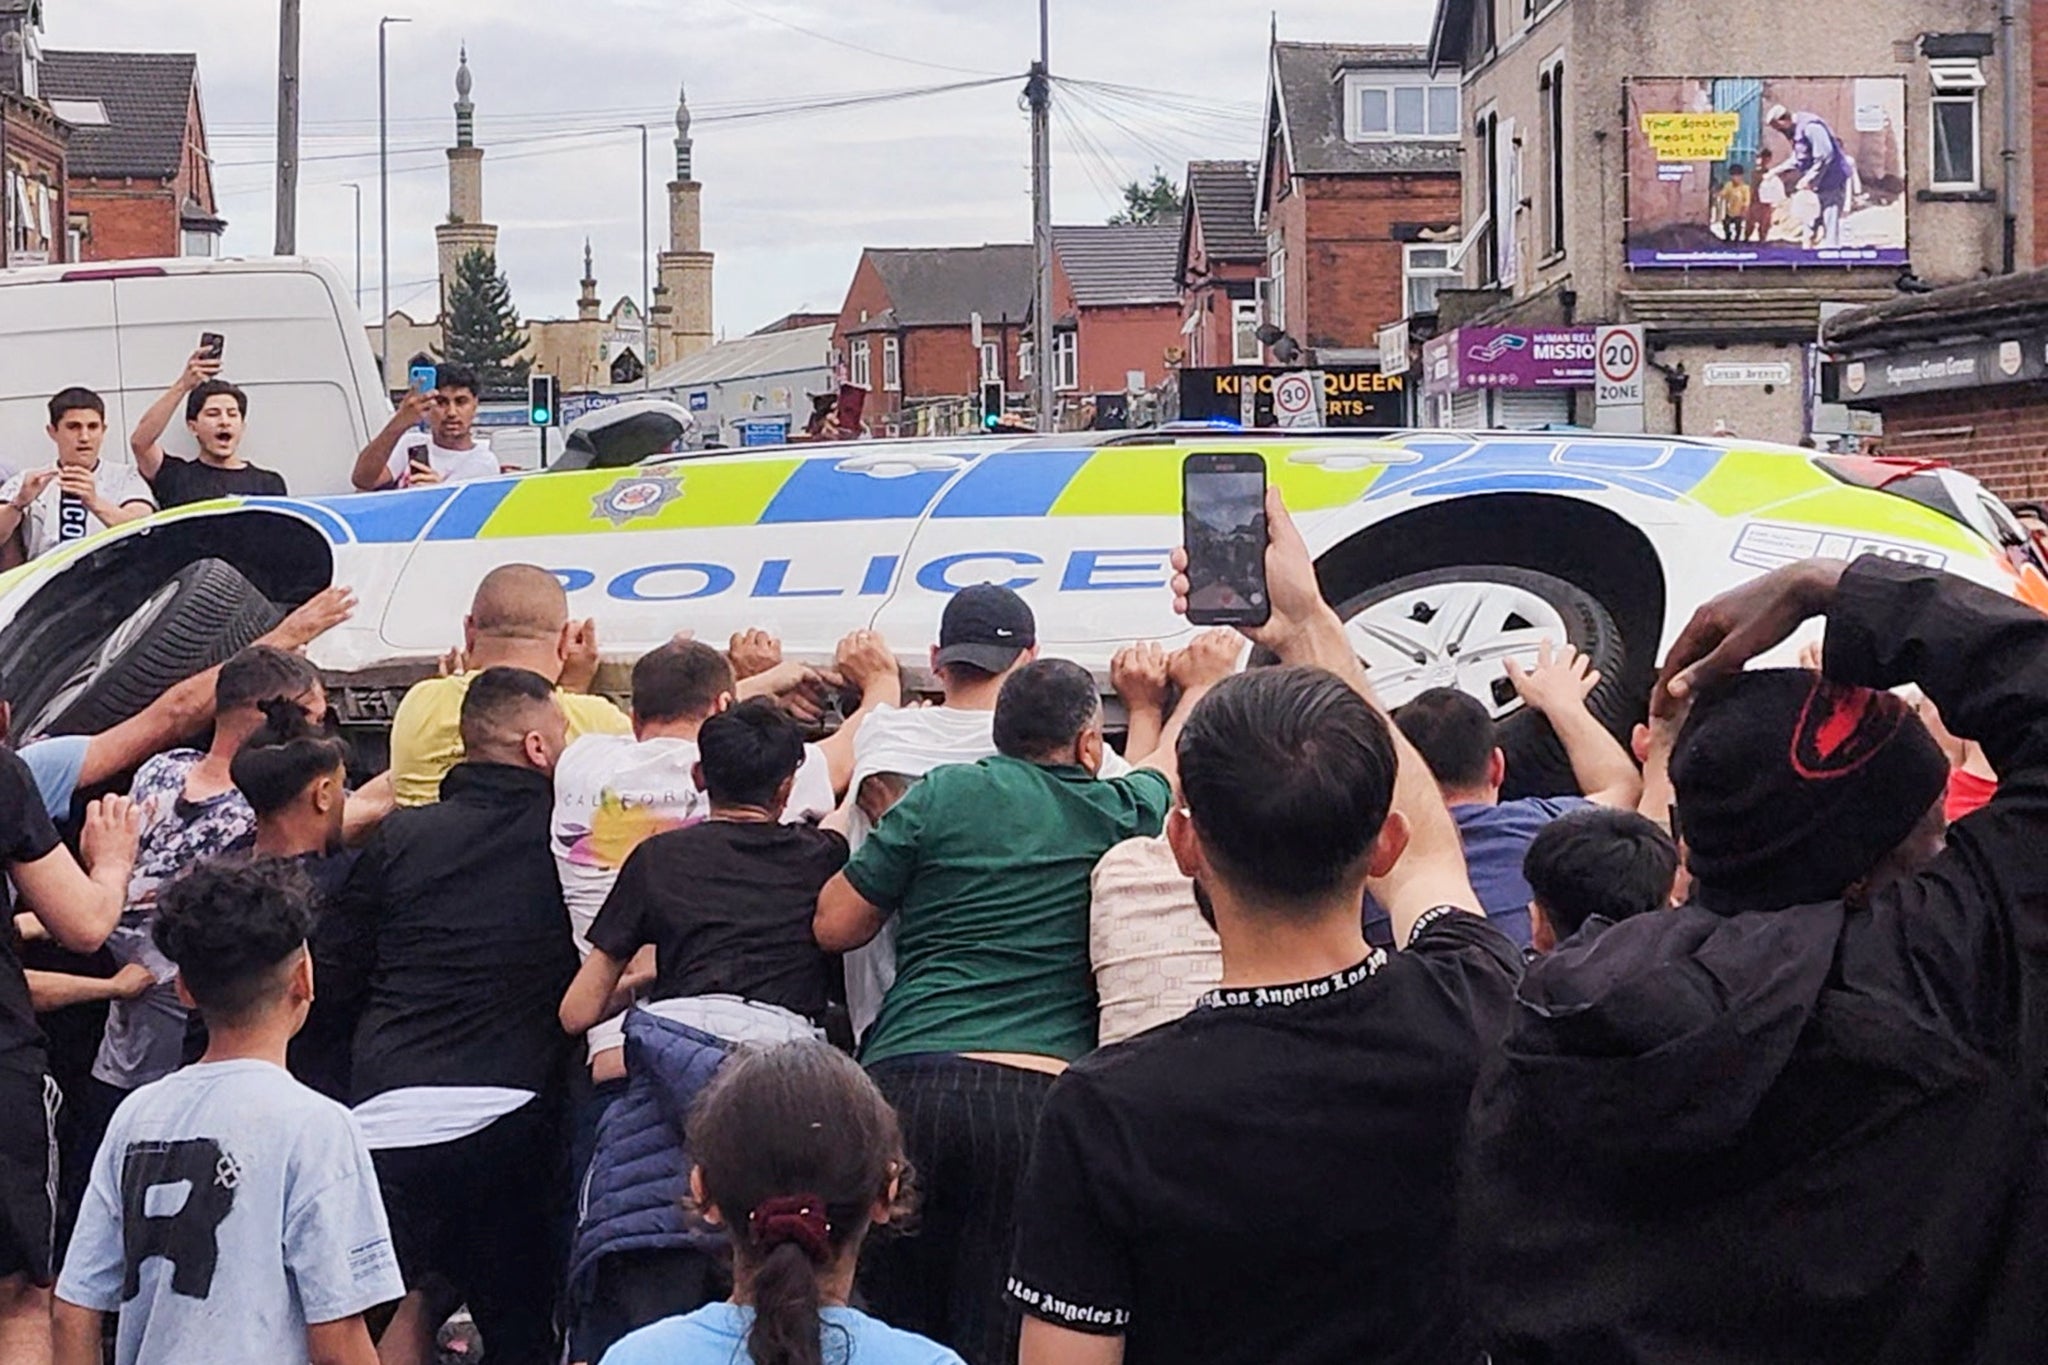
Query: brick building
x=1691 y=177
x=1959 y=375
x=1222 y=260
x=1116 y=311
x=32 y=145
x=140 y=180
x=1360 y=166
x=905 y=333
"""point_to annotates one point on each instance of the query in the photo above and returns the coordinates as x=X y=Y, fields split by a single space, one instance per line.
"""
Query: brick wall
x=1115 y=341
x=1998 y=435
x=1351 y=267
x=2038 y=126
x=126 y=221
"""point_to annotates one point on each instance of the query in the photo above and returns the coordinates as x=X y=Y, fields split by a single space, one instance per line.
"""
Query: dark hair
x=285 y=754
x=229 y=924
x=801 y=1126
x=1610 y=863
x=1042 y=707
x=76 y=399
x=1288 y=775
x=451 y=374
x=214 y=388
x=499 y=705
x=748 y=752
x=682 y=680
x=262 y=673
x=1453 y=732
x=1737 y=168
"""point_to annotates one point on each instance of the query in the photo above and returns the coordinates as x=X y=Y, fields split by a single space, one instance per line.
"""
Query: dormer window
x=1387 y=107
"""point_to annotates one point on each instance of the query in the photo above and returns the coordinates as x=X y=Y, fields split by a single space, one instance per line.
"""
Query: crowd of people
x=430 y=439
x=785 y=1017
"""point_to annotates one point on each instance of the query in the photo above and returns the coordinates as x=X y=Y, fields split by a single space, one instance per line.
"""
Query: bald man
x=519 y=618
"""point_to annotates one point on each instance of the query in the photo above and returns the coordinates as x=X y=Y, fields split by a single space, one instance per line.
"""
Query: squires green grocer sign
x=1353 y=396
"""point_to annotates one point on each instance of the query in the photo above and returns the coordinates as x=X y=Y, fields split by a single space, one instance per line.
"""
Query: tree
x=1158 y=202
x=483 y=328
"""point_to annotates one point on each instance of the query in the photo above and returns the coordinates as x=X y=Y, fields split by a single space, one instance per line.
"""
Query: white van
x=295 y=344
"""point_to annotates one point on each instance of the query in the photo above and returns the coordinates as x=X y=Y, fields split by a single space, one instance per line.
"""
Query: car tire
x=1536 y=762
x=204 y=614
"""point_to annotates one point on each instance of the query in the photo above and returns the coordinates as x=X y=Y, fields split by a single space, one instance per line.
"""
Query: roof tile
x=942 y=286
x=1308 y=82
x=1223 y=196
x=145 y=95
x=1122 y=263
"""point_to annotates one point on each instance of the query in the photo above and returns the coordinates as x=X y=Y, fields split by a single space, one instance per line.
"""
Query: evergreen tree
x=483 y=329
x=1158 y=202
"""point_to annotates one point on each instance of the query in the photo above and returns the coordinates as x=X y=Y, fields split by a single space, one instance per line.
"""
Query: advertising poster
x=1746 y=171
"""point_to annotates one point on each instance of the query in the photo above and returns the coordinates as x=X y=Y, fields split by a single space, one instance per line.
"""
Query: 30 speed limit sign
x=1618 y=361
x=1294 y=399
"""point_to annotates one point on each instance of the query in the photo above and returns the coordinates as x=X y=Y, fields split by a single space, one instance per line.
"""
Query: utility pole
x=352 y=185
x=1038 y=92
x=384 y=200
x=646 y=316
x=287 y=127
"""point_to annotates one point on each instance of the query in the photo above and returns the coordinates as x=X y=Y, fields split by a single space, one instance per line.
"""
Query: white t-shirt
x=452 y=465
x=614 y=792
x=229 y=1207
x=42 y=523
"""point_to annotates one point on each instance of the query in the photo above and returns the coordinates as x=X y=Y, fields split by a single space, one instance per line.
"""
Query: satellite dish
x=10 y=42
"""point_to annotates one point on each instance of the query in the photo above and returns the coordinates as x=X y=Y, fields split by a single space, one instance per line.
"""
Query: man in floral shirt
x=190 y=811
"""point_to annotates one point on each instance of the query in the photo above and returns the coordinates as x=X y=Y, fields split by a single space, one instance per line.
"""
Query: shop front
x=1506 y=378
x=1353 y=396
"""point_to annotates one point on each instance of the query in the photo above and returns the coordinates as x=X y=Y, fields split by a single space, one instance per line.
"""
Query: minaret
x=465 y=229
x=681 y=325
x=586 y=303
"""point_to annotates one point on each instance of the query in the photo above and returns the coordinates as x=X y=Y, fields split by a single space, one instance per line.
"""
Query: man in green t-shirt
x=984 y=868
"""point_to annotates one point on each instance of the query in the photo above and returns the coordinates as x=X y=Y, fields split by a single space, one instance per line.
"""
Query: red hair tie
x=798 y=1218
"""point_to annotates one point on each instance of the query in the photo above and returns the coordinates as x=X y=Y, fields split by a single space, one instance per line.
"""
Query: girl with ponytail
x=797 y=1155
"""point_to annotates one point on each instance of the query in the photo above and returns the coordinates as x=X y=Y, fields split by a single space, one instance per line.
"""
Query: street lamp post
x=352 y=185
x=384 y=198
x=646 y=321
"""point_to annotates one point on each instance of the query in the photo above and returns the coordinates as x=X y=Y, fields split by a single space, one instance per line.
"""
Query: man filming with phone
x=79 y=494
x=216 y=413
x=447 y=451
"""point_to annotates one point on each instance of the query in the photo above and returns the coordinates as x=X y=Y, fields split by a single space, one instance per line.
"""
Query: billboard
x=1353 y=395
x=1745 y=171
x=1509 y=358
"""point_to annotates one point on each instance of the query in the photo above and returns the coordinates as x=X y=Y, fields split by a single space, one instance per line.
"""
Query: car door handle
x=900 y=464
x=1342 y=458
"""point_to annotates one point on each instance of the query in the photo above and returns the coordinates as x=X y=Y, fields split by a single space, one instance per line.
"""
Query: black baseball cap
x=986 y=626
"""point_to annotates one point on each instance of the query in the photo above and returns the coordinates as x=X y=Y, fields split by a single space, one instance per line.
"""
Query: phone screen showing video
x=1223 y=506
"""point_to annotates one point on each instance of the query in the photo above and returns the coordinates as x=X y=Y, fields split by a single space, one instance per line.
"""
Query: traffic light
x=542 y=410
x=991 y=405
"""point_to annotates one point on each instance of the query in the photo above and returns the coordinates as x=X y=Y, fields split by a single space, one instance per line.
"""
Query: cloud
x=788 y=200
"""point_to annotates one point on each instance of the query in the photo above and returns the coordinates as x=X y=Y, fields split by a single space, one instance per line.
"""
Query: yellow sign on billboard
x=1691 y=137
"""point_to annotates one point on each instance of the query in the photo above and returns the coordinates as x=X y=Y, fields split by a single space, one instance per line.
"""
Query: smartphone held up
x=212 y=345
x=1223 y=527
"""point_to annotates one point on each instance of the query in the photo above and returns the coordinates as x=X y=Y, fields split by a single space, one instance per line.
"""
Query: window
x=1482 y=28
x=991 y=362
x=1958 y=114
x=196 y=243
x=1244 y=332
x=1488 y=135
x=892 y=364
x=1551 y=88
x=1276 y=284
x=1382 y=110
x=1066 y=360
x=1023 y=360
x=857 y=372
x=1426 y=270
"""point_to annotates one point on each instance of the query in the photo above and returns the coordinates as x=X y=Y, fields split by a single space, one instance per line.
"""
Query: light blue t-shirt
x=716 y=1335
x=229 y=1207
x=56 y=764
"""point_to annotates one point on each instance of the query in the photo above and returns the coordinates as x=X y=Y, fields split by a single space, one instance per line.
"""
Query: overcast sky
x=791 y=197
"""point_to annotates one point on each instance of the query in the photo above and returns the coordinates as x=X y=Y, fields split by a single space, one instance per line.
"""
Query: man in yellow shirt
x=519 y=618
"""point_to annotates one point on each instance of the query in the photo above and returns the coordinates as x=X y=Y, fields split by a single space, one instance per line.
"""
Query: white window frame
x=1449 y=275
x=1024 y=359
x=1244 y=326
x=892 y=365
x=991 y=362
x=1951 y=97
x=1356 y=87
x=1066 y=361
x=1556 y=174
x=1276 y=284
x=858 y=368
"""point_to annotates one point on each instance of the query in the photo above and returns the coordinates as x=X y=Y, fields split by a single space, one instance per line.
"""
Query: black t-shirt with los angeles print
x=26 y=835
x=1272 y=1178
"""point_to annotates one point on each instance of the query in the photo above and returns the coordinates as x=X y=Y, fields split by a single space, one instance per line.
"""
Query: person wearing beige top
x=1153 y=953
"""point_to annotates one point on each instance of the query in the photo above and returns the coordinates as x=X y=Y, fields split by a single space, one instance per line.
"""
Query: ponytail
x=786 y=1306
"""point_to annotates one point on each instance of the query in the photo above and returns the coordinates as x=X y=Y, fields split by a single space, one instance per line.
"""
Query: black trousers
x=484 y=1215
x=968 y=1127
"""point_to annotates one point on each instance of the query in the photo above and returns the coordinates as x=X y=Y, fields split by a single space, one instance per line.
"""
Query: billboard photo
x=1747 y=171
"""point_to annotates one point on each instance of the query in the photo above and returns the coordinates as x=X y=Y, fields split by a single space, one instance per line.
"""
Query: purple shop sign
x=1509 y=358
